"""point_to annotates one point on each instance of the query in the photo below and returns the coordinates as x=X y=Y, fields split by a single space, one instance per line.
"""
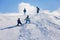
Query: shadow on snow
x=9 y=27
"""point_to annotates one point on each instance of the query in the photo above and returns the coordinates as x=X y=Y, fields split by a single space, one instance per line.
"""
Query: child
x=27 y=19
x=24 y=11
x=38 y=10
x=19 y=22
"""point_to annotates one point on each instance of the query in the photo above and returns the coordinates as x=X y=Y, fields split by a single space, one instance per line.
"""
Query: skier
x=27 y=19
x=19 y=22
x=24 y=11
x=37 y=10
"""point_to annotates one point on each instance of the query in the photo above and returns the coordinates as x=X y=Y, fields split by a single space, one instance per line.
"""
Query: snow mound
x=42 y=27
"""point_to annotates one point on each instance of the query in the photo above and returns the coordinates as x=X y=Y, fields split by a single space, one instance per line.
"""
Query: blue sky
x=11 y=6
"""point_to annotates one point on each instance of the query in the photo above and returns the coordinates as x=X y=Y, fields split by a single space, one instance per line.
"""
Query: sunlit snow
x=44 y=26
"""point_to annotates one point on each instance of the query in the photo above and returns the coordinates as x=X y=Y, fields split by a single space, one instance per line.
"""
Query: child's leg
x=18 y=24
x=29 y=21
x=25 y=22
x=21 y=23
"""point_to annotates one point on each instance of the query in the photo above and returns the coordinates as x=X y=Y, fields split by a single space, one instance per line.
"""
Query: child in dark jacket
x=19 y=22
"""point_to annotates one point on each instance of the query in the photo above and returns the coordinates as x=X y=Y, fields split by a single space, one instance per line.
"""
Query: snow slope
x=43 y=26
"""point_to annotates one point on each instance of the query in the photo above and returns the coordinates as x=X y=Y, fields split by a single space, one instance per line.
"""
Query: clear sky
x=11 y=6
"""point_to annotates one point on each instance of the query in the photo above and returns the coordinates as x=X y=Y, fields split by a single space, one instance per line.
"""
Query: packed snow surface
x=43 y=26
